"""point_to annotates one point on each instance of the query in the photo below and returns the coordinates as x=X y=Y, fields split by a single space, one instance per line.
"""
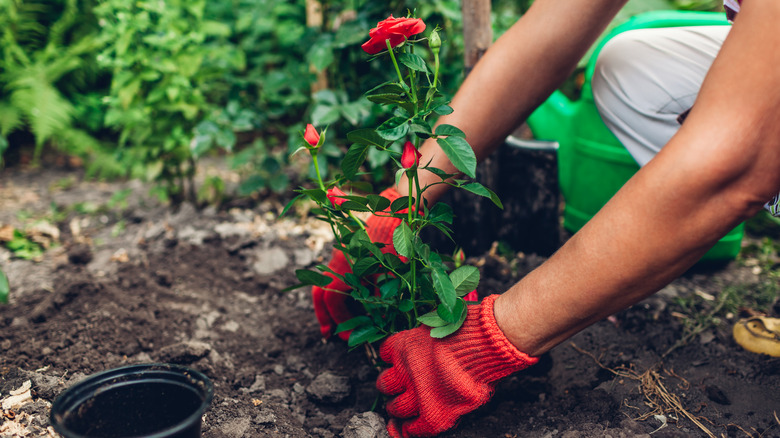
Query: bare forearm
x=518 y=72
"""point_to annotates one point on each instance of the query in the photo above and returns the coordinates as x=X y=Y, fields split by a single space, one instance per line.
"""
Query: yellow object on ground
x=759 y=334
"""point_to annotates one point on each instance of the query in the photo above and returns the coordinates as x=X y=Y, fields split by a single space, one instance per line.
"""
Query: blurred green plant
x=166 y=59
x=47 y=68
x=24 y=247
x=5 y=289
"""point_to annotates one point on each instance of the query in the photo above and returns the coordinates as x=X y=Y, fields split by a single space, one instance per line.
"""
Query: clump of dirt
x=202 y=288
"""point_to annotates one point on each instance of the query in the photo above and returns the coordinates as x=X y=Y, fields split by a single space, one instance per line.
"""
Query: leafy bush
x=47 y=68
x=165 y=59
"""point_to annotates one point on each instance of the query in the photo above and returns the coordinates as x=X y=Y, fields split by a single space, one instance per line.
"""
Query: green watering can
x=592 y=164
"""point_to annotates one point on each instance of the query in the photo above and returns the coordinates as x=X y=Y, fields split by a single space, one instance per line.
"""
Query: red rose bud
x=396 y=30
x=459 y=257
x=411 y=156
x=311 y=135
x=335 y=196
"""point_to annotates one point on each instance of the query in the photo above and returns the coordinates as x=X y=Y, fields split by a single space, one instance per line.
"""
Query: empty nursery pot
x=136 y=401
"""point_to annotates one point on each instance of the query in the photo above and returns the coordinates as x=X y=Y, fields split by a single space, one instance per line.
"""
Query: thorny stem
x=358 y=221
x=317 y=169
x=436 y=68
x=412 y=177
x=398 y=72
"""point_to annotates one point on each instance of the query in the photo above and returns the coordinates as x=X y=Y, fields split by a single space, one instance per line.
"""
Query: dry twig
x=652 y=387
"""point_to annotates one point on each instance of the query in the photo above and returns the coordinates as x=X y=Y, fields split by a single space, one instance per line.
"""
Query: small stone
x=365 y=425
x=266 y=416
x=258 y=385
x=278 y=394
x=184 y=352
x=329 y=388
x=322 y=433
x=279 y=369
x=270 y=260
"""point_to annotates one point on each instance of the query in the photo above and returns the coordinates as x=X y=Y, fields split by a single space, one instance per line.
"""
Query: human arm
x=715 y=173
x=515 y=75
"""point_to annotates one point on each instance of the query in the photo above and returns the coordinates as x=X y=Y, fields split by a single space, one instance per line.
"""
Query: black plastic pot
x=137 y=401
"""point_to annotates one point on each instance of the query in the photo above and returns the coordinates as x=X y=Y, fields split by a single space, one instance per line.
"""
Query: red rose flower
x=311 y=135
x=397 y=30
x=411 y=156
x=335 y=196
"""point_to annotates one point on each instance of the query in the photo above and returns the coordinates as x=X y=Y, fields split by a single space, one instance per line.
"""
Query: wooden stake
x=477 y=30
x=315 y=18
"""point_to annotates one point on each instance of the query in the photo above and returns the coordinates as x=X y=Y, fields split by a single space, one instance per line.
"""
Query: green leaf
x=465 y=279
x=440 y=173
x=444 y=288
x=5 y=289
x=378 y=203
x=363 y=335
x=399 y=204
x=457 y=311
x=448 y=329
x=421 y=128
x=421 y=248
x=402 y=240
x=387 y=93
x=443 y=110
x=392 y=260
x=290 y=204
x=389 y=289
x=361 y=240
x=414 y=62
x=316 y=195
x=432 y=319
x=312 y=278
x=354 y=206
x=441 y=212
x=366 y=136
x=479 y=189
x=354 y=158
x=406 y=306
x=363 y=266
x=393 y=129
x=460 y=154
x=448 y=130
x=353 y=323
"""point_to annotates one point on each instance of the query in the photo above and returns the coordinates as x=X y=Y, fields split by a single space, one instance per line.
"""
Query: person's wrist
x=498 y=357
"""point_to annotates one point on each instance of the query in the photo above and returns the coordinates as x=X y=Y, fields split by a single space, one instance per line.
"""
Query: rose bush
x=381 y=262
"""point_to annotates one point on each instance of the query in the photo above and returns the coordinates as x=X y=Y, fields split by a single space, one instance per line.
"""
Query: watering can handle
x=533 y=145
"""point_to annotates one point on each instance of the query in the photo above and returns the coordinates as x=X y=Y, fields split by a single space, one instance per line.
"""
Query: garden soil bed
x=144 y=282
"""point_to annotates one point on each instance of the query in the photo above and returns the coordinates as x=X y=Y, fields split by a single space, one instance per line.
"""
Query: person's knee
x=620 y=65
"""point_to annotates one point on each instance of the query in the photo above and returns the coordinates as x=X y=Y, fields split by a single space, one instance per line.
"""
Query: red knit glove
x=332 y=308
x=439 y=380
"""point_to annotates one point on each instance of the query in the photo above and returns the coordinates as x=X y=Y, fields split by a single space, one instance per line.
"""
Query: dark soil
x=149 y=283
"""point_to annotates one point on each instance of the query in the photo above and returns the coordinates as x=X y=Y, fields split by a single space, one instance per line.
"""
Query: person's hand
x=436 y=381
x=332 y=303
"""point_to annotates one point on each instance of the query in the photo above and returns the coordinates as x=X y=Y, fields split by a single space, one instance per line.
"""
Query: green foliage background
x=144 y=89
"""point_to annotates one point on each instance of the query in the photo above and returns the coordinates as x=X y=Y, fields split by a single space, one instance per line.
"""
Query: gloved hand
x=331 y=303
x=436 y=381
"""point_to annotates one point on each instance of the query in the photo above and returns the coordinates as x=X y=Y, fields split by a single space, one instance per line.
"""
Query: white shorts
x=645 y=78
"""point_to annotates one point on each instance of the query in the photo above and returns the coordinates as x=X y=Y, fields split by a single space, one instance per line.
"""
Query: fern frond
x=43 y=107
x=10 y=119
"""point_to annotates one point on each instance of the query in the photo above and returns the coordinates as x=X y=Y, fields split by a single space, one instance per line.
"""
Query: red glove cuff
x=495 y=357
